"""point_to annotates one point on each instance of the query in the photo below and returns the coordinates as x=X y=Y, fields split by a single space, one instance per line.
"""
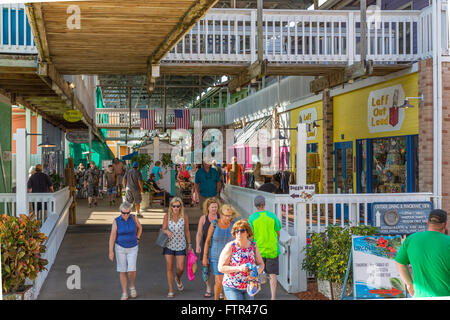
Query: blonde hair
x=242 y=224
x=227 y=207
x=170 y=211
x=208 y=202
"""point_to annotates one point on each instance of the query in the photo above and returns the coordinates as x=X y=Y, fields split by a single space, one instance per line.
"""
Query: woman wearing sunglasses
x=125 y=235
x=233 y=262
x=176 y=227
x=219 y=234
x=210 y=213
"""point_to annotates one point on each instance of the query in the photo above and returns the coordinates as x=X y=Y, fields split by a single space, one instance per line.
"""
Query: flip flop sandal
x=171 y=295
x=179 y=286
x=124 y=296
x=208 y=294
x=133 y=292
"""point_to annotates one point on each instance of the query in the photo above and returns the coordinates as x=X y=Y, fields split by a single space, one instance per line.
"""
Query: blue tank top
x=219 y=239
x=126 y=232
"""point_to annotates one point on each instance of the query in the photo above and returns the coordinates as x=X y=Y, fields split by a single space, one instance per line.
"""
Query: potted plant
x=56 y=180
x=21 y=248
x=327 y=256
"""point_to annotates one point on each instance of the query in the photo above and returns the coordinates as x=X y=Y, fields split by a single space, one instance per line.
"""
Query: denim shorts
x=215 y=268
x=167 y=251
x=235 y=294
x=92 y=190
x=111 y=191
x=126 y=258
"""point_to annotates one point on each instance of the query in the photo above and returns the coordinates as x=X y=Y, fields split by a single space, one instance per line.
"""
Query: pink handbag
x=191 y=265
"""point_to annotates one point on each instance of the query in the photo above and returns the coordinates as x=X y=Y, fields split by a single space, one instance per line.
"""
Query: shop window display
x=389 y=165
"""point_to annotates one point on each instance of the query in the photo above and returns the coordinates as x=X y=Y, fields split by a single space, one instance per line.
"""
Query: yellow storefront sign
x=72 y=115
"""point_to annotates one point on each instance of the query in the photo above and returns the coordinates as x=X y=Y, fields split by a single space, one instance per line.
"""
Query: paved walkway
x=86 y=245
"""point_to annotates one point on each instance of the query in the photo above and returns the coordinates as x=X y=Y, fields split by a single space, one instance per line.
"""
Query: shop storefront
x=310 y=114
x=376 y=139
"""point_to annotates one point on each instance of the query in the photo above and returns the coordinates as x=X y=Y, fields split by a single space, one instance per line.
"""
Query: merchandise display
x=389 y=165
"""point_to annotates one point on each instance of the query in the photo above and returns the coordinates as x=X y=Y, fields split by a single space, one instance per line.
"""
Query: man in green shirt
x=428 y=253
x=266 y=233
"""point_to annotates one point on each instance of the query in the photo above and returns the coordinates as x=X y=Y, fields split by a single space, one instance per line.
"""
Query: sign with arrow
x=401 y=217
x=375 y=275
x=302 y=192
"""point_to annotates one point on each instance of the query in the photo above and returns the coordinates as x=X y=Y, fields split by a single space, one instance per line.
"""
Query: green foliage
x=166 y=160
x=143 y=160
x=327 y=253
x=56 y=180
x=21 y=247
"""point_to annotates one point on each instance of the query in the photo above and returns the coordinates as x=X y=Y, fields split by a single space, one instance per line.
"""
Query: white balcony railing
x=289 y=36
x=15 y=31
x=302 y=36
x=110 y=118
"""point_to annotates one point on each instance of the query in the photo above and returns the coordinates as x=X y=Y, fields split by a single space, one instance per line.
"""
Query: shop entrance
x=343 y=164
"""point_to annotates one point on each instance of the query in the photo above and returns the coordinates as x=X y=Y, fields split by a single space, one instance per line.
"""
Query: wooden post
x=69 y=177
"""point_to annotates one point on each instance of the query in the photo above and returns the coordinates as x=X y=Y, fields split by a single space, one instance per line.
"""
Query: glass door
x=343 y=160
x=343 y=173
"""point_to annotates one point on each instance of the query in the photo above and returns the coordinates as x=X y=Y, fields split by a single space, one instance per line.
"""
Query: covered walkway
x=86 y=246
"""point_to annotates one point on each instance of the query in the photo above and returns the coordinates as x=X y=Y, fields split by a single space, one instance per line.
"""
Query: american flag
x=147 y=119
x=182 y=119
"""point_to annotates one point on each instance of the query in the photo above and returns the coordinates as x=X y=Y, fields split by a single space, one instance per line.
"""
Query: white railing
x=316 y=215
x=261 y=103
x=17 y=37
x=303 y=36
x=54 y=218
x=111 y=118
x=289 y=36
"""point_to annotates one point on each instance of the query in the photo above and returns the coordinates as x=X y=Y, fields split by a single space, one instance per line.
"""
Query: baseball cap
x=259 y=201
x=135 y=164
x=437 y=216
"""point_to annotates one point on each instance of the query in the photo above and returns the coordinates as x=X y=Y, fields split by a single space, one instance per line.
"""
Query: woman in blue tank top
x=219 y=234
x=124 y=240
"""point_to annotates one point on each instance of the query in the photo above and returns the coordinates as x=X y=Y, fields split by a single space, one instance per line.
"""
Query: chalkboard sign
x=401 y=217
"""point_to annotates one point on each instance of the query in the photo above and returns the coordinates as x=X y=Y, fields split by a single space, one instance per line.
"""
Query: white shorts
x=126 y=258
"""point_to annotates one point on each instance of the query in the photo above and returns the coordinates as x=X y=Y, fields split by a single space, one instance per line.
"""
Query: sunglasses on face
x=240 y=231
x=176 y=206
x=125 y=212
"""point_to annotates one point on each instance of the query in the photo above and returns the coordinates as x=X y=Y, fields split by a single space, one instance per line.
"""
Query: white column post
x=28 y=141
x=21 y=171
x=155 y=149
x=300 y=224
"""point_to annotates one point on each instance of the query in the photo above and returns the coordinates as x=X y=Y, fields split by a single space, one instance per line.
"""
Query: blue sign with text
x=401 y=217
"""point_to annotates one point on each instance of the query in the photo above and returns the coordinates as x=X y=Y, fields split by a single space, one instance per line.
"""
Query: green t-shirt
x=265 y=226
x=428 y=253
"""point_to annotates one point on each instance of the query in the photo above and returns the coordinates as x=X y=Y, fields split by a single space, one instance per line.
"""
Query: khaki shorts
x=132 y=196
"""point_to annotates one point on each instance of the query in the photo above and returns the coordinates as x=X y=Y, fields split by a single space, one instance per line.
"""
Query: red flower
x=391 y=249
x=308 y=241
x=382 y=243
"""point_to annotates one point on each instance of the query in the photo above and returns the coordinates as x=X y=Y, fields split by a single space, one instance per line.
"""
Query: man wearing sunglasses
x=266 y=228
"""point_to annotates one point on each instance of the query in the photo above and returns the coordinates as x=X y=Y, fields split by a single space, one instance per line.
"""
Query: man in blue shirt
x=207 y=182
x=157 y=171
